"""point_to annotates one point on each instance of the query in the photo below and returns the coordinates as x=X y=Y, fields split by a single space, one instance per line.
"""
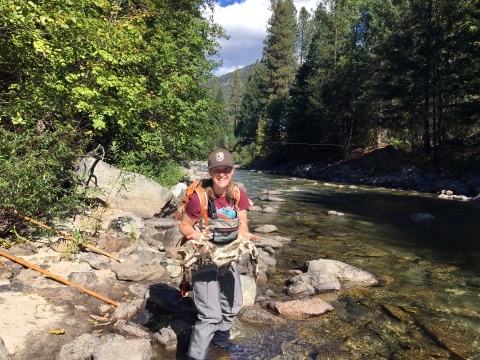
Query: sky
x=245 y=21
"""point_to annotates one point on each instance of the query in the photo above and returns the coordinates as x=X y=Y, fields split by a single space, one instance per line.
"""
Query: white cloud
x=246 y=24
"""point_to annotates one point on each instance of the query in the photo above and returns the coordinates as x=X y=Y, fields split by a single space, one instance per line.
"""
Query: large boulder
x=127 y=191
x=342 y=271
x=300 y=309
x=130 y=349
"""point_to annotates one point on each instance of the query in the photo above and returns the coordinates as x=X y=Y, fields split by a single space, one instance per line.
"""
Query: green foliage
x=246 y=155
x=399 y=143
x=36 y=176
x=459 y=164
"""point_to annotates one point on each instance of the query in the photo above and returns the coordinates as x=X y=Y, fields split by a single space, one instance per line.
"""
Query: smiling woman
x=217 y=289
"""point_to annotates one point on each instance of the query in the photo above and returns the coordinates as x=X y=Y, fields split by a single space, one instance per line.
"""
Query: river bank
x=457 y=176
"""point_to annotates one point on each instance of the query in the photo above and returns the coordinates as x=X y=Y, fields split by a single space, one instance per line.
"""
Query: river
x=427 y=305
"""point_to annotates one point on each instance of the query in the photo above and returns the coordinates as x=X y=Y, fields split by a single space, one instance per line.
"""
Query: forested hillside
x=363 y=74
x=225 y=81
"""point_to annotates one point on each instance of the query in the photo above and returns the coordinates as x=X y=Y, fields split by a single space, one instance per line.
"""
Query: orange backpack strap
x=195 y=187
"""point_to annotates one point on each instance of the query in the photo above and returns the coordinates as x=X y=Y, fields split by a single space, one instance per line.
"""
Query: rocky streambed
x=313 y=298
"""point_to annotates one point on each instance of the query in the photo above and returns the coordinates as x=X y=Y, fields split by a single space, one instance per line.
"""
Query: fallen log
x=69 y=237
x=58 y=278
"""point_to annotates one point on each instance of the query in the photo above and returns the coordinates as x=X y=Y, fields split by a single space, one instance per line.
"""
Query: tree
x=234 y=98
x=279 y=59
x=305 y=31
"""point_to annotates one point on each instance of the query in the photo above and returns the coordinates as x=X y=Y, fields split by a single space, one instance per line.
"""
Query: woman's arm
x=243 y=228
x=187 y=229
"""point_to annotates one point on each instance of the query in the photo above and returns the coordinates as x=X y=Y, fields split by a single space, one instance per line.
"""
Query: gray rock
x=300 y=289
x=272 y=198
x=421 y=217
x=268 y=241
x=113 y=337
x=126 y=224
x=249 y=290
x=113 y=244
x=133 y=193
x=96 y=261
x=255 y=208
x=4 y=354
x=22 y=250
x=270 y=210
x=335 y=213
x=85 y=279
x=138 y=272
x=80 y=349
x=172 y=237
x=266 y=229
x=341 y=271
x=124 y=311
x=138 y=289
x=146 y=257
x=257 y=315
x=167 y=338
x=319 y=280
x=134 y=330
x=178 y=189
x=134 y=349
x=161 y=223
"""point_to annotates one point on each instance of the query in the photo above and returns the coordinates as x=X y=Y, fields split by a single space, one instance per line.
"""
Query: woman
x=217 y=291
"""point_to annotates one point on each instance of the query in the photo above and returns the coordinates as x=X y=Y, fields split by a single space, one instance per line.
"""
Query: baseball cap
x=220 y=157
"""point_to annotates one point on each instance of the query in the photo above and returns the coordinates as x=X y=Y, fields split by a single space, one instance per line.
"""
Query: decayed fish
x=202 y=251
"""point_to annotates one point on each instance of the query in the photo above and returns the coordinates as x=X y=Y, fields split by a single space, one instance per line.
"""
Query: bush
x=37 y=175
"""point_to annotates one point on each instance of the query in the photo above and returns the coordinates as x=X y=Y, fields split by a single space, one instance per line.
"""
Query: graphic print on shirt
x=227 y=212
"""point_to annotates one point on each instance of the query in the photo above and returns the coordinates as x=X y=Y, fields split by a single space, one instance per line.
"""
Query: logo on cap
x=219 y=156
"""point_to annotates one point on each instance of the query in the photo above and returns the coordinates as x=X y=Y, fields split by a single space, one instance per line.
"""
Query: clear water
x=429 y=272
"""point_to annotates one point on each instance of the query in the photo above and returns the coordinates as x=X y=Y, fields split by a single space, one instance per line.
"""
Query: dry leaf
x=56 y=332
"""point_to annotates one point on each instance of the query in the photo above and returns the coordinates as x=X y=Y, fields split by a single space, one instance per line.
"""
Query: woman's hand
x=248 y=236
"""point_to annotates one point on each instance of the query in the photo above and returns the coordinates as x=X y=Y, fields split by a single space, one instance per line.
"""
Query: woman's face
x=221 y=175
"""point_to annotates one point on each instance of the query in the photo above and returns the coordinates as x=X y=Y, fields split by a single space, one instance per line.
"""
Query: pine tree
x=235 y=98
x=305 y=32
x=279 y=58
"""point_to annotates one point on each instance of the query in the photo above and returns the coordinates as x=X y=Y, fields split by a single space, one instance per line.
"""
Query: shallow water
x=427 y=305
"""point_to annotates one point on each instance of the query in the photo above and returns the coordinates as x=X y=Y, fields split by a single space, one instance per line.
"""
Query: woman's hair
x=230 y=192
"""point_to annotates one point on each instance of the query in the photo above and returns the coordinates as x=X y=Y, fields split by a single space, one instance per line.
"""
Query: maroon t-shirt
x=193 y=206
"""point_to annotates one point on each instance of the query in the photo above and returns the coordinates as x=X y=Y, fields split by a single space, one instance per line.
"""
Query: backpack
x=197 y=187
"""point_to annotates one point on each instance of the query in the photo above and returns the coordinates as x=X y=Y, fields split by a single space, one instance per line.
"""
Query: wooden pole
x=58 y=278
x=69 y=237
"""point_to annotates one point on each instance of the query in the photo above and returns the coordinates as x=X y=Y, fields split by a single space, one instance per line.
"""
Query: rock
x=164 y=297
x=147 y=257
x=167 y=338
x=272 y=198
x=455 y=339
x=257 y=315
x=266 y=229
x=255 y=208
x=249 y=290
x=138 y=289
x=178 y=189
x=161 y=223
x=4 y=354
x=134 y=349
x=319 y=280
x=22 y=250
x=300 y=309
x=86 y=279
x=127 y=191
x=269 y=210
x=137 y=272
x=124 y=311
x=80 y=349
x=341 y=271
x=300 y=289
x=126 y=224
x=421 y=217
x=97 y=262
x=335 y=213
x=104 y=308
x=282 y=239
x=134 y=330
x=273 y=192
x=113 y=244
x=268 y=241
x=172 y=237
x=64 y=293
